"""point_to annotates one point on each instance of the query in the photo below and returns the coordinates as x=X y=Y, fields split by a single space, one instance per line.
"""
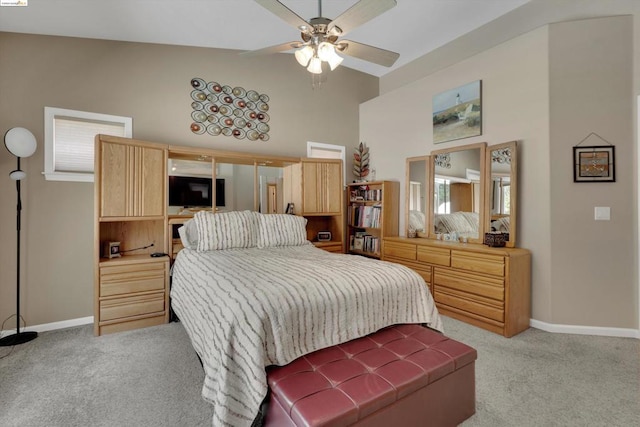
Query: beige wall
x=151 y=84
x=548 y=88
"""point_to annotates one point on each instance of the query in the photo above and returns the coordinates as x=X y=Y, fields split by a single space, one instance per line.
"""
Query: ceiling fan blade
x=272 y=49
x=368 y=53
x=286 y=14
x=358 y=14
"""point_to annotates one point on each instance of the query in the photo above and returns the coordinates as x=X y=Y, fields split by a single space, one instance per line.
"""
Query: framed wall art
x=594 y=164
x=457 y=113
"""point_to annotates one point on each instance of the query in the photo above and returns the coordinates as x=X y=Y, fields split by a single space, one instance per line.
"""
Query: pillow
x=416 y=220
x=189 y=234
x=281 y=230
x=455 y=222
x=226 y=230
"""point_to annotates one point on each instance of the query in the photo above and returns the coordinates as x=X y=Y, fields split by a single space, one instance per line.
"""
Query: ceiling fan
x=321 y=40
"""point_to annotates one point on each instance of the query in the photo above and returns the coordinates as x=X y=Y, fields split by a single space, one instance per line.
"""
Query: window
x=327 y=151
x=442 y=196
x=69 y=140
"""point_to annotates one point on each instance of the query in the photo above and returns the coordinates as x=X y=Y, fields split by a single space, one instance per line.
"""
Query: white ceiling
x=412 y=28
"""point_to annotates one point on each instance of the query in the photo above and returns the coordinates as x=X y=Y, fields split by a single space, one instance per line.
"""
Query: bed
x=251 y=292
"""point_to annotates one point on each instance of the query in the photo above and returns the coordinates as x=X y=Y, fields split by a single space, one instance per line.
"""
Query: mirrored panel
x=417 y=187
x=457 y=193
x=239 y=186
x=502 y=189
x=270 y=191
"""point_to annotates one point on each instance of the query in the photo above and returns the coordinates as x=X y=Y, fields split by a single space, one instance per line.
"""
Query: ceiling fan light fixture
x=315 y=66
x=325 y=51
x=304 y=55
x=334 y=60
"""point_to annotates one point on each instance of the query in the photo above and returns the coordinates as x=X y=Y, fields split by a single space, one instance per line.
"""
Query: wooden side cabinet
x=315 y=187
x=487 y=287
x=131 y=288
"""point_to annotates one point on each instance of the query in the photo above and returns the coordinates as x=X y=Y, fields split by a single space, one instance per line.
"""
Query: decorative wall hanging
x=223 y=110
x=502 y=156
x=594 y=163
x=361 y=162
x=443 y=160
x=457 y=113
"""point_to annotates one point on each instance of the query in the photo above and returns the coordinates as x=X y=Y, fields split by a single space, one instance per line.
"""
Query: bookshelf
x=372 y=214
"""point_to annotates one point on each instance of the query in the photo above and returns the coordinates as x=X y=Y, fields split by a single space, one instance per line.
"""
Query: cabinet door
x=322 y=187
x=312 y=188
x=149 y=185
x=131 y=181
x=115 y=197
x=332 y=186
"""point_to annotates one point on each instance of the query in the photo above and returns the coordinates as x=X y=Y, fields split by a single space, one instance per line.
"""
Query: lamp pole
x=14 y=139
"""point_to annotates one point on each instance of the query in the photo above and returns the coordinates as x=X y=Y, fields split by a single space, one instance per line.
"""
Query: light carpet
x=152 y=377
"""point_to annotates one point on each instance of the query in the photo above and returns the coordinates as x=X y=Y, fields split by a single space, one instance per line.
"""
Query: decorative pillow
x=473 y=218
x=281 y=230
x=455 y=222
x=189 y=234
x=416 y=220
x=226 y=230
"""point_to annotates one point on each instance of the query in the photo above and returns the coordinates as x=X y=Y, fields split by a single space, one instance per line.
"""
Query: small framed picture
x=290 y=208
x=594 y=164
x=111 y=250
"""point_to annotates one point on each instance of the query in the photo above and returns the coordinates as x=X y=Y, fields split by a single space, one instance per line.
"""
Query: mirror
x=457 y=188
x=502 y=189
x=270 y=190
x=416 y=196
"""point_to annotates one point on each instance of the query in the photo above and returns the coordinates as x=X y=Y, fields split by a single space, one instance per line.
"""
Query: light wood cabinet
x=487 y=287
x=132 y=290
x=315 y=187
x=372 y=215
x=130 y=186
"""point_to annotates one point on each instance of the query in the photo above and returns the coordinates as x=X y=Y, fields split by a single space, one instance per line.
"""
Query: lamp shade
x=20 y=142
x=315 y=66
x=17 y=175
x=303 y=55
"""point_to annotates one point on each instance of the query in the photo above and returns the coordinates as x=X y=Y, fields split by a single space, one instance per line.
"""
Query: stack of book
x=365 y=216
x=360 y=241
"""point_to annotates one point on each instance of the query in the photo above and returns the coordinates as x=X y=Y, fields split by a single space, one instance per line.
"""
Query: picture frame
x=594 y=163
x=457 y=113
x=290 y=208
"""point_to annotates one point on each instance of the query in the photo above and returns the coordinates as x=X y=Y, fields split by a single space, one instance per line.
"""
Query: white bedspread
x=245 y=309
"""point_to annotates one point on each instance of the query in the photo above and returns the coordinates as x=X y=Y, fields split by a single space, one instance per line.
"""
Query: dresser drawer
x=484 y=286
x=437 y=256
x=399 y=250
x=131 y=278
x=478 y=262
x=117 y=308
x=420 y=268
x=469 y=303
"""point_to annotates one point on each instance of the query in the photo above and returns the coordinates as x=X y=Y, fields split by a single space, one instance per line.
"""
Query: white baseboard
x=585 y=330
x=53 y=326
x=544 y=326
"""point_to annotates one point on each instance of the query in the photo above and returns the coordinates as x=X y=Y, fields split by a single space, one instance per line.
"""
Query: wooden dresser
x=484 y=286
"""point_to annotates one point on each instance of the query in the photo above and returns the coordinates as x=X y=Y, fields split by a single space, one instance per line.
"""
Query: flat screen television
x=191 y=191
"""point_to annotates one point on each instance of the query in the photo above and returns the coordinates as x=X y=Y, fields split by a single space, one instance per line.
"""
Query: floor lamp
x=21 y=143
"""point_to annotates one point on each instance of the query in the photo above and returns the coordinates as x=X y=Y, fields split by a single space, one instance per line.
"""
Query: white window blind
x=74 y=141
x=69 y=141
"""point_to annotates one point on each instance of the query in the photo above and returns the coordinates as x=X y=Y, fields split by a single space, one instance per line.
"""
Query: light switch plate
x=602 y=213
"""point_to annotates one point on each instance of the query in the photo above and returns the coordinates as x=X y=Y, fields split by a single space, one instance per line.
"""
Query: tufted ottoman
x=404 y=375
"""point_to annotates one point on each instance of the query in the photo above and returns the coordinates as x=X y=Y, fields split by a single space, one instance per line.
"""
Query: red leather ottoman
x=404 y=375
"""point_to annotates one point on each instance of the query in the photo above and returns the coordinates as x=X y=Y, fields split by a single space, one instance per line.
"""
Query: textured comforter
x=245 y=309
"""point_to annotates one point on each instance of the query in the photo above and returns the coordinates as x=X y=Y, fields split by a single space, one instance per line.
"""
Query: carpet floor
x=152 y=377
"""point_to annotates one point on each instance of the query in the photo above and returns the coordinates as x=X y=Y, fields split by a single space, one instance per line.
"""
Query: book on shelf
x=367 y=216
x=364 y=193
